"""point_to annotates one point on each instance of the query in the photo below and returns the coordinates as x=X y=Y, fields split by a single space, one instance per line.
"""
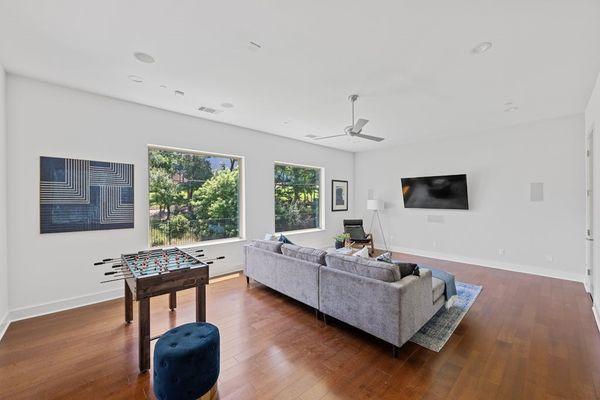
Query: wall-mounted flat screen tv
x=440 y=192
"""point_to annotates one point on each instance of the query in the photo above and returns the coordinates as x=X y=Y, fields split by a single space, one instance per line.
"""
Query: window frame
x=321 y=226
x=241 y=195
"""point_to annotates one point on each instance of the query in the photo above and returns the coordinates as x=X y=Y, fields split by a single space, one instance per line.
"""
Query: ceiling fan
x=355 y=129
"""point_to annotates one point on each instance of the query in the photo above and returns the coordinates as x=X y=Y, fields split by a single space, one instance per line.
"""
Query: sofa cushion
x=438 y=287
x=270 y=245
x=304 y=253
x=364 y=267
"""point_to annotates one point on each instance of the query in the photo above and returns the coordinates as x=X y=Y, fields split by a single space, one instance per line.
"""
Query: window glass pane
x=296 y=198
x=193 y=197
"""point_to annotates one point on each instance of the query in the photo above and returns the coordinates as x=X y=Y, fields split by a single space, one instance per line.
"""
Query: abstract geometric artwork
x=82 y=195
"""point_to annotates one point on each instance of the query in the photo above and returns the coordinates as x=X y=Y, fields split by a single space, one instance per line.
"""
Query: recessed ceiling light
x=144 y=57
x=179 y=92
x=136 y=79
x=286 y=122
x=511 y=109
x=481 y=48
x=227 y=105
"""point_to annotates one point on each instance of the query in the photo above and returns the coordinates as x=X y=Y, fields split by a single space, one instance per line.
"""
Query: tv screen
x=440 y=192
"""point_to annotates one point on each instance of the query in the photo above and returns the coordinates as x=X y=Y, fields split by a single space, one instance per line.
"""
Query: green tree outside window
x=193 y=197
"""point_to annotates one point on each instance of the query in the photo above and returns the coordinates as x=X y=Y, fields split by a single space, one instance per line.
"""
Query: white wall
x=3 y=178
x=48 y=120
x=592 y=122
x=499 y=165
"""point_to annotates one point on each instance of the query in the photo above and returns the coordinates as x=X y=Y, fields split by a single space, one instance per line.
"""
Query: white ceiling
x=409 y=61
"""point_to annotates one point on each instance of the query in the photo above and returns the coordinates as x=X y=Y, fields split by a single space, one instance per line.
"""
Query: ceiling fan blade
x=359 y=125
x=329 y=137
x=369 y=137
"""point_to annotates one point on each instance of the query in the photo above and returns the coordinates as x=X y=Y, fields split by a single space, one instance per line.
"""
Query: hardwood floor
x=526 y=337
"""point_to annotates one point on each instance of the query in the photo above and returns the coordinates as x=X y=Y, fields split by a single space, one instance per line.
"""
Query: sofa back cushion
x=364 y=267
x=269 y=245
x=304 y=253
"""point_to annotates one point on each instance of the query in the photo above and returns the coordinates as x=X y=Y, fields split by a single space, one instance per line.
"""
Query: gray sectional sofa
x=370 y=295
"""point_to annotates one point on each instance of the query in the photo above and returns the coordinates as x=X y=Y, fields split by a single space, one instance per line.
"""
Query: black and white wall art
x=339 y=195
x=81 y=195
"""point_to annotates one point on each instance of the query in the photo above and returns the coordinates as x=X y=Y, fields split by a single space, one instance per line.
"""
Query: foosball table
x=156 y=272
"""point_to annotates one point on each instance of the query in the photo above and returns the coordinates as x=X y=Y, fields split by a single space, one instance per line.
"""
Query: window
x=297 y=197
x=193 y=196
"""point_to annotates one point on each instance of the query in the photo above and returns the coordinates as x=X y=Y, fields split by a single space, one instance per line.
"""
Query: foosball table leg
x=128 y=304
x=173 y=300
x=201 y=303
x=144 y=334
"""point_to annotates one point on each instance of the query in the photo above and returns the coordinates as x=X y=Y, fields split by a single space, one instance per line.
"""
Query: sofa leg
x=247 y=281
x=325 y=318
x=394 y=351
x=316 y=313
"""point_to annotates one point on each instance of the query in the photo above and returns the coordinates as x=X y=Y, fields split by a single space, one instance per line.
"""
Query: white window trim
x=321 y=226
x=242 y=193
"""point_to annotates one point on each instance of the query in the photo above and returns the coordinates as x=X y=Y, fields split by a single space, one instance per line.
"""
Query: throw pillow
x=385 y=257
x=362 y=253
x=270 y=236
x=405 y=268
x=284 y=239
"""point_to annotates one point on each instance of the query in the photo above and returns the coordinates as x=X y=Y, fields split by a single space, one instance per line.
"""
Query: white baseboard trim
x=72 y=302
x=4 y=323
x=596 y=317
x=64 y=304
x=586 y=284
x=526 y=269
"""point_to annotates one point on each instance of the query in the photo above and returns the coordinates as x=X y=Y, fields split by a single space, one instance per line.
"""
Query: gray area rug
x=435 y=333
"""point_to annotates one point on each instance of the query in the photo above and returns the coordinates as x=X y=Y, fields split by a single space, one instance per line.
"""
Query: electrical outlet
x=501 y=252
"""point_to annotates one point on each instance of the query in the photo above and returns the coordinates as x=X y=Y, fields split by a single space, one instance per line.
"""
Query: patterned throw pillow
x=385 y=257
x=284 y=239
x=362 y=253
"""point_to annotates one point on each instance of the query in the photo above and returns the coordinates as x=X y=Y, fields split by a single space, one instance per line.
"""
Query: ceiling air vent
x=209 y=110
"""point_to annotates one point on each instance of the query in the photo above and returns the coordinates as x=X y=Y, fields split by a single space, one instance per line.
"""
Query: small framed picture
x=339 y=195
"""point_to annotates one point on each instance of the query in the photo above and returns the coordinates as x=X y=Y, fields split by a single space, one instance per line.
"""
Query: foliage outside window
x=297 y=197
x=193 y=197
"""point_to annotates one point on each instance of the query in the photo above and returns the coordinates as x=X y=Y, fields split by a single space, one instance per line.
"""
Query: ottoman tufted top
x=186 y=361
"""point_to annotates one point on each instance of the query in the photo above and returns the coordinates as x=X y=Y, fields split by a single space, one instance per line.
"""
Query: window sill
x=311 y=230
x=212 y=242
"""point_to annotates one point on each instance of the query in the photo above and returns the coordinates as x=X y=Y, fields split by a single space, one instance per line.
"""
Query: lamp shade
x=375 y=205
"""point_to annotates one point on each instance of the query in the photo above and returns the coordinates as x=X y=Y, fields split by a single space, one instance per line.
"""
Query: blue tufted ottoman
x=186 y=362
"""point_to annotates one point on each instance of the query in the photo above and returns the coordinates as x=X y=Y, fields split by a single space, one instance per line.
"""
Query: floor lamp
x=376 y=206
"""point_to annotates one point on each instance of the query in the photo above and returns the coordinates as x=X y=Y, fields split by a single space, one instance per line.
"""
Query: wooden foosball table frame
x=142 y=289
